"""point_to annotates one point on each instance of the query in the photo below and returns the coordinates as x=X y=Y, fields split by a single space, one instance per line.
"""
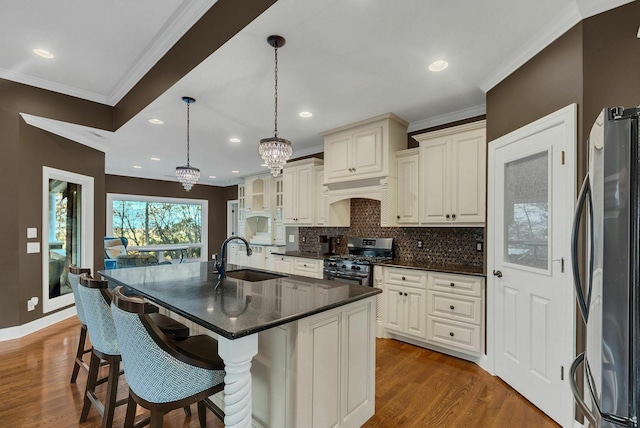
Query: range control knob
x=344 y=266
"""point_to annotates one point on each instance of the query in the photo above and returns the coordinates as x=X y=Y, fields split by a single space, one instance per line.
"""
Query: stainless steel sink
x=251 y=275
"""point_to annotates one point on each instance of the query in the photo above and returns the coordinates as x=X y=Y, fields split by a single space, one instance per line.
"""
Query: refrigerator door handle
x=584 y=197
x=582 y=405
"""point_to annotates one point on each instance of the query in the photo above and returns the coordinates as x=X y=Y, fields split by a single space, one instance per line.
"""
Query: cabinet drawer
x=406 y=277
x=307 y=267
x=454 y=335
x=456 y=284
x=455 y=307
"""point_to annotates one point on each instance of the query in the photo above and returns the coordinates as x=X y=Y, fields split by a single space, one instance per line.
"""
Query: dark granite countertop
x=436 y=267
x=306 y=255
x=232 y=307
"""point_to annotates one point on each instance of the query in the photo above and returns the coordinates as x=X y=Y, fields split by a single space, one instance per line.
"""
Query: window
x=157 y=225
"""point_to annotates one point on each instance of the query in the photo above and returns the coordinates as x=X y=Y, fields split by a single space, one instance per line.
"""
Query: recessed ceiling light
x=234 y=140
x=43 y=53
x=438 y=65
x=212 y=176
x=137 y=167
x=235 y=172
x=306 y=114
x=156 y=121
x=155 y=159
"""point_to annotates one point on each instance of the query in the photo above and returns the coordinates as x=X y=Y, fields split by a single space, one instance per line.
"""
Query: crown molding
x=187 y=15
x=80 y=134
x=448 y=118
x=52 y=86
x=556 y=27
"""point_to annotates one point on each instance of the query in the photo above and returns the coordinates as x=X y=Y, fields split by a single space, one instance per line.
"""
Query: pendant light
x=187 y=175
x=275 y=151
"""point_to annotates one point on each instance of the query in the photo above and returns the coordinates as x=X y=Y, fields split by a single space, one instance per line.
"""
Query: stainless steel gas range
x=357 y=266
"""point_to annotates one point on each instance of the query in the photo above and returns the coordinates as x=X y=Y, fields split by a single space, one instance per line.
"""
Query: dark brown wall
x=217 y=197
x=25 y=150
x=546 y=83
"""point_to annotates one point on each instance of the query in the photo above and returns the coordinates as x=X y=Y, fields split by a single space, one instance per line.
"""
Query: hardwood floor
x=414 y=388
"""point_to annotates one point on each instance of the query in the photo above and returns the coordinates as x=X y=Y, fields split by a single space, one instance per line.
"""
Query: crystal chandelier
x=187 y=174
x=275 y=151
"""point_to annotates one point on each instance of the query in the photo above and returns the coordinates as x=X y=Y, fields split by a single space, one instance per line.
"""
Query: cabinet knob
x=452 y=284
x=405 y=294
x=452 y=307
x=400 y=293
x=453 y=216
x=447 y=216
x=304 y=264
x=398 y=217
x=403 y=278
x=451 y=334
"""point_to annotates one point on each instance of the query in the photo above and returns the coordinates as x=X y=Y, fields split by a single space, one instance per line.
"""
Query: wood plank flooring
x=414 y=388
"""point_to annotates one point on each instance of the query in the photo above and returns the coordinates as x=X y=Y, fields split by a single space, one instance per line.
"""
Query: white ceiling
x=345 y=60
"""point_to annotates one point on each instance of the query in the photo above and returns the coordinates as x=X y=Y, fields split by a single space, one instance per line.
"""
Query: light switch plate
x=292 y=238
x=32 y=232
x=33 y=247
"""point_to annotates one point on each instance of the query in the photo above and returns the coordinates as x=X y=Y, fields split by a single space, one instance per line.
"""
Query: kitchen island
x=298 y=351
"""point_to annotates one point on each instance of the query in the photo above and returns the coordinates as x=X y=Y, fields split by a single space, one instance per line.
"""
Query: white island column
x=237 y=355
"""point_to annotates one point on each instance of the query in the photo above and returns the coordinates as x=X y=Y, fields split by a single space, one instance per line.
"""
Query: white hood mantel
x=338 y=199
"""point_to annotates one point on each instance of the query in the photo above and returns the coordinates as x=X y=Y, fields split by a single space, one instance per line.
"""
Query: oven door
x=349 y=278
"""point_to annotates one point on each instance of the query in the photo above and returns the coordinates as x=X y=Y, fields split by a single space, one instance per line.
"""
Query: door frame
x=568 y=117
x=86 y=231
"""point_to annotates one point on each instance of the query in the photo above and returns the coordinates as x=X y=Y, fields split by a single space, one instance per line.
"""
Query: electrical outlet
x=420 y=243
x=304 y=239
x=478 y=245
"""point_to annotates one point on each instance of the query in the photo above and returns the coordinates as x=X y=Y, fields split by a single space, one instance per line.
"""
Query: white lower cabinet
x=406 y=302
x=336 y=367
x=283 y=264
x=307 y=267
x=436 y=308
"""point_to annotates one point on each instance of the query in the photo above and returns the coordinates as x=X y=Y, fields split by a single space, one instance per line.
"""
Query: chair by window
x=164 y=375
x=114 y=247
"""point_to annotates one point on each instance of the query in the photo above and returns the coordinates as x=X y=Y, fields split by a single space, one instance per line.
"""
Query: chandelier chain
x=275 y=131
x=188 y=105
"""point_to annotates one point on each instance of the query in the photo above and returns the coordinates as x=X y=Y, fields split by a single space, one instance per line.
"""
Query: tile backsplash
x=450 y=245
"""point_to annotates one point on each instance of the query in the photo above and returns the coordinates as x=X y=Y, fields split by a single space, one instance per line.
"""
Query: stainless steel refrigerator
x=609 y=298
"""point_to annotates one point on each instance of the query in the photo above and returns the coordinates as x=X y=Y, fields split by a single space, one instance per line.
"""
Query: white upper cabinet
x=321 y=197
x=299 y=192
x=363 y=150
x=453 y=176
x=408 y=186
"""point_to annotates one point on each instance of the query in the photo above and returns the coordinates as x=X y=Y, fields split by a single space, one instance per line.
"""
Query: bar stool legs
x=79 y=362
x=107 y=409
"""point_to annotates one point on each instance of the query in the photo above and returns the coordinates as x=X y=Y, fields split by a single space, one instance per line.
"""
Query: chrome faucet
x=221 y=265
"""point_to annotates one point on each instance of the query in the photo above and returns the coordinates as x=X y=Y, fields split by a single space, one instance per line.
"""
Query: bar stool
x=74 y=281
x=96 y=299
x=164 y=375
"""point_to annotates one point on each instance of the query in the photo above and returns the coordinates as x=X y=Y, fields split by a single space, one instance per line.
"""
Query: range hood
x=339 y=195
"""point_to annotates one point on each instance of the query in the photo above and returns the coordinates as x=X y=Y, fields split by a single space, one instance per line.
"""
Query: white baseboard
x=19 y=331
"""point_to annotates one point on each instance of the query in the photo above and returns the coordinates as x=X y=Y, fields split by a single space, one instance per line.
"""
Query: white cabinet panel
x=455 y=284
x=460 y=308
x=453 y=176
x=299 y=192
x=416 y=312
x=454 y=335
x=408 y=186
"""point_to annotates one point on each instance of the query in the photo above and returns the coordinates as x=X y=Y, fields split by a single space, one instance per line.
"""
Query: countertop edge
x=442 y=269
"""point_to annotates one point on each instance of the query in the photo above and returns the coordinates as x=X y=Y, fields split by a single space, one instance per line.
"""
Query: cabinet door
x=416 y=312
x=367 y=153
x=468 y=181
x=305 y=195
x=394 y=308
x=337 y=160
x=279 y=238
x=408 y=178
x=289 y=195
x=436 y=187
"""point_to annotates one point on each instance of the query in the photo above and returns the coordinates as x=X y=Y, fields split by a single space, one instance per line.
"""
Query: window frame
x=204 y=204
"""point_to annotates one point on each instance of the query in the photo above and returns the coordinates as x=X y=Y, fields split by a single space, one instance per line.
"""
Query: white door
x=531 y=199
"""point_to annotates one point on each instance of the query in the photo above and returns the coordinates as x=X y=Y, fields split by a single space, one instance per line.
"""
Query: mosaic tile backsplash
x=450 y=245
